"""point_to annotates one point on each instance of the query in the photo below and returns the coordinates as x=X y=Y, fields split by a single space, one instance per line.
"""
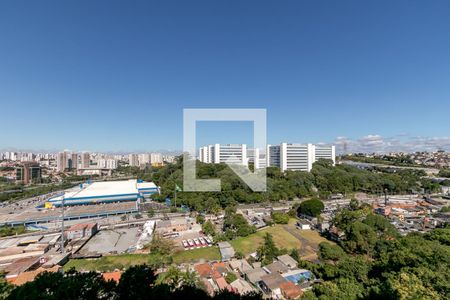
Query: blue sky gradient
x=115 y=75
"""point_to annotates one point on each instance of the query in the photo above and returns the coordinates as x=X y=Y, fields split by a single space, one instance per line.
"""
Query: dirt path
x=307 y=248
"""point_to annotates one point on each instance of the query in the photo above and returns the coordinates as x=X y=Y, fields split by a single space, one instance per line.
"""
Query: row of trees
x=138 y=282
x=324 y=180
x=374 y=262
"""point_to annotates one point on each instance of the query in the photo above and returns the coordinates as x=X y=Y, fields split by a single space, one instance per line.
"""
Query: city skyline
x=371 y=143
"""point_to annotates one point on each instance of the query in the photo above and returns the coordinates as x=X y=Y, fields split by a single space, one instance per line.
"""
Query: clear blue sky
x=115 y=75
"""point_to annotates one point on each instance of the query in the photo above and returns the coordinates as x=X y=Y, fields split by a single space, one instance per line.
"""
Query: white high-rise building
x=286 y=156
x=156 y=158
x=61 y=161
x=273 y=156
x=258 y=157
x=144 y=159
x=85 y=160
x=73 y=161
x=109 y=163
x=133 y=160
x=298 y=157
x=325 y=152
x=229 y=153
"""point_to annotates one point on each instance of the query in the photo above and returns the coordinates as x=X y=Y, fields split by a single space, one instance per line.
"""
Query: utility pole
x=175 y=196
x=385 y=197
x=63 y=251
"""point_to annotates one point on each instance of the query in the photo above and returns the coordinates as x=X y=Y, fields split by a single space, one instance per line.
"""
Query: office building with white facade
x=286 y=156
x=298 y=157
x=257 y=157
x=228 y=153
x=325 y=152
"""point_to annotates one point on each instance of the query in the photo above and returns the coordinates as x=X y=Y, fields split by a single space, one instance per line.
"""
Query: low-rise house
x=276 y=267
x=271 y=283
x=254 y=276
x=203 y=270
x=214 y=270
x=297 y=276
x=323 y=226
x=242 y=287
x=208 y=286
x=223 y=285
x=303 y=225
x=113 y=276
x=288 y=261
x=290 y=290
x=336 y=234
x=28 y=276
x=220 y=268
x=240 y=265
x=172 y=225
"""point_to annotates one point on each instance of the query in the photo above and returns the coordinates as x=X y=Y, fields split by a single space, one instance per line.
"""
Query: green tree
x=360 y=238
x=151 y=212
x=200 y=219
x=160 y=245
x=230 y=277
x=280 y=218
x=331 y=252
x=208 y=228
x=311 y=207
x=268 y=251
x=295 y=254
x=354 y=204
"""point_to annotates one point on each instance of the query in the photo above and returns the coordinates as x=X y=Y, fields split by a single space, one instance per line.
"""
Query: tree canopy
x=311 y=208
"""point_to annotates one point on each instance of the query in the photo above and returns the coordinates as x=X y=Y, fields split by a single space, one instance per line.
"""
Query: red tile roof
x=204 y=270
x=112 y=276
x=221 y=283
x=290 y=290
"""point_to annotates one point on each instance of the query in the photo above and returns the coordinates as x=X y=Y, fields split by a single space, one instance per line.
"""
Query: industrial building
x=104 y=192
x=81 y=230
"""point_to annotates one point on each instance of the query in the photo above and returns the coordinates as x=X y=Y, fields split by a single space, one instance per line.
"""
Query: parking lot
x=114 y=241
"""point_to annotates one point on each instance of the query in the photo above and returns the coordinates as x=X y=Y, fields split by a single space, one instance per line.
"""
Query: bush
x=280 y=218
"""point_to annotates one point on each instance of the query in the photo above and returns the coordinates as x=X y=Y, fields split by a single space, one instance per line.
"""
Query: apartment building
x=133 y=160
x=85 y=160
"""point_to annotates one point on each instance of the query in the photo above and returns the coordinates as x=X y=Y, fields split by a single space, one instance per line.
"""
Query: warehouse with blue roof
x=105 y=192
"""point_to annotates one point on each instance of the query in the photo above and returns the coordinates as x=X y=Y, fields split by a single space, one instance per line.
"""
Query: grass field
x=107 y=263
x=281 y=237
x=206 y=254
x=110 y=263
x=285 y=236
